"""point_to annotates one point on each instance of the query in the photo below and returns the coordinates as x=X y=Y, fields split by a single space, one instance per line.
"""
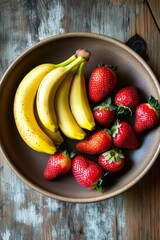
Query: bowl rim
x=73 y=35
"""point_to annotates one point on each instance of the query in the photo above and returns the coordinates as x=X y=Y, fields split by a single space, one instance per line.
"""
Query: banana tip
x=56 y=129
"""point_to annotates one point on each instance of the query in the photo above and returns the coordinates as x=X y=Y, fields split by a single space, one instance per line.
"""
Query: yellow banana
x=24 y=114
x=46 y=94
x=55 y=136
x=66 y=121
x=79 y=101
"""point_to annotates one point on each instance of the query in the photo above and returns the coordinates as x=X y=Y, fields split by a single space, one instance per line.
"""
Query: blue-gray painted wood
x=26 y=214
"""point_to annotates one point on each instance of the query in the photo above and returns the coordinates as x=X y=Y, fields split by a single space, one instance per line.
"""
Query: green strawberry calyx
x=101 y=182
x=114 y=129
x=67 y=154
x=113 y=68
x=108 y=131
x=113 y=155
x=107 y=104
x=124 y=110
x=154 y=104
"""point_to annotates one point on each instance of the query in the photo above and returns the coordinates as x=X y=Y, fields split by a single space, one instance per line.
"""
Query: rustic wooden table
x=24 y=213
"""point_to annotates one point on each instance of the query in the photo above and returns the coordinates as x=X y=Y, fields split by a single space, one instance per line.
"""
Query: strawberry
x=112 y=160
x=147 y=115
x=58 y=164
x=87 y=172
x=100 y=141
x=126 y=99
x=123 y=135
x=101 y=82
x=104 y=113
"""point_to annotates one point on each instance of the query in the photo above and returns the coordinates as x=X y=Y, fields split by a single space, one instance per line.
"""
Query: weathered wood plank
x=142 y=202
x=155 y=8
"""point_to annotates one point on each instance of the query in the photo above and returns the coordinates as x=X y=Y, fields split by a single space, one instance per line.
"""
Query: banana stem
x=81 y=68
x=66 y=62
x=75 y=63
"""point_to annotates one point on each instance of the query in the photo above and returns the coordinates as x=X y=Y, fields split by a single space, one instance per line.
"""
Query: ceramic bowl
x=28 y=164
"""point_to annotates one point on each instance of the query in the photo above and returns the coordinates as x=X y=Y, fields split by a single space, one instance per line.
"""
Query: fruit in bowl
x=31 y=166
x=62 y=103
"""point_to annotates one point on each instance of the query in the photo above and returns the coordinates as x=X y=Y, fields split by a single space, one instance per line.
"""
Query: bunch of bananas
x=51 y=100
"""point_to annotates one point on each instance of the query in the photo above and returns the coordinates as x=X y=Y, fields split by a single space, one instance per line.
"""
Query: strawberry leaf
x=108 y=100
x=99 y=187
x=65 y=152
x=154 y=103
x=113 y=155
x=107 y=104
x=68 y=154
x=102 y=183
x=114 y=128
x=113 y=68
x=124 y=110
x=72 y=154
x=107 y=131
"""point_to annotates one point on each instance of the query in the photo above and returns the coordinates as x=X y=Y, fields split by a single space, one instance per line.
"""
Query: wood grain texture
x=26 y=214
x=155 y=9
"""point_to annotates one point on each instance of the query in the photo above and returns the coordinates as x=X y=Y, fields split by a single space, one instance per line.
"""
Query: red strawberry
x=102 y=81
x=100 y=141
x=112 y=160
x=87 y=172
x=58 y=164
x=104 y=113
x=126 y=99
x=124 y=136
x=147 y=115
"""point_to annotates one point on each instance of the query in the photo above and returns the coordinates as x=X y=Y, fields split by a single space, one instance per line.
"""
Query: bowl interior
x=28 y=164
